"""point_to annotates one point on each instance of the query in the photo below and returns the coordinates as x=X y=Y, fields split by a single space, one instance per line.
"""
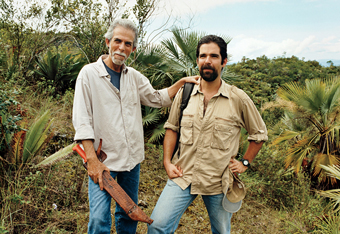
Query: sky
x=307 y=29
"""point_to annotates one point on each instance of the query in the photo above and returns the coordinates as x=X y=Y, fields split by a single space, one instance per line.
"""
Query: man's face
x=209 y=61
x=121 y=45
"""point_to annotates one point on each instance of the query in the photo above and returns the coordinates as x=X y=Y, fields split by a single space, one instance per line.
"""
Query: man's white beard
x=117 y=61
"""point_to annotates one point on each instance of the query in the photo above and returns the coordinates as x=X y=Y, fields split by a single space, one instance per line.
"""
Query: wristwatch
x=245 y=162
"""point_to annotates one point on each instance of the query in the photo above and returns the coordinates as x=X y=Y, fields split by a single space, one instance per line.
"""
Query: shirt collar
x=224 y=90
x=102 y=70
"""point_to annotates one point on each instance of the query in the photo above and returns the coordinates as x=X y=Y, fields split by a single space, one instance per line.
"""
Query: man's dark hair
x=215 y=39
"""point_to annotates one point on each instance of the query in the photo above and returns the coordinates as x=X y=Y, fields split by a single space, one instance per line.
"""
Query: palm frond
x=334 y=194
x=324 y=159
x=333 y=170
x=286 y=135
x=298 y=152
x=157 y=134
x=333 y=94
x=329 y=224
x=151 y=116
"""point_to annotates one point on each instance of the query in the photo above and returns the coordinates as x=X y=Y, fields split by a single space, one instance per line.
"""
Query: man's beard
x=118 y=61
x=208 y=76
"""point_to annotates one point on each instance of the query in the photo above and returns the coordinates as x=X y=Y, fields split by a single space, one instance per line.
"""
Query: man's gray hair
x=125 y=23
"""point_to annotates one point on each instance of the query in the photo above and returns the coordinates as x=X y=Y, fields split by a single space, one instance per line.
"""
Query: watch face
x=245 y=162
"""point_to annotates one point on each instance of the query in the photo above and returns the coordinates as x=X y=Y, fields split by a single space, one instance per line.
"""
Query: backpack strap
x=187 y=90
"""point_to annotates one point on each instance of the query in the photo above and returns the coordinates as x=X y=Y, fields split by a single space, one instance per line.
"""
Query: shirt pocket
x=221 y=136
x=132 y=96
x=186 y=132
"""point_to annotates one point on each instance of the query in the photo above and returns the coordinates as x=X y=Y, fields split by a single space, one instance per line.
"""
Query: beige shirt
x=100 y=110
x=209 y=141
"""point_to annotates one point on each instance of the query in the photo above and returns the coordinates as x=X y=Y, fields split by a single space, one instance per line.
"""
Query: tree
x=83 y=22
x=312 y=124
x=23 y=33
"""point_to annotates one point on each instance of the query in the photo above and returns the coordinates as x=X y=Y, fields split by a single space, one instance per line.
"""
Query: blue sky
x=308 y=29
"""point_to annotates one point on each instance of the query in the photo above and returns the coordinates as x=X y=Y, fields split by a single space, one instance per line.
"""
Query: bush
x=8 y=117
x=269 y=182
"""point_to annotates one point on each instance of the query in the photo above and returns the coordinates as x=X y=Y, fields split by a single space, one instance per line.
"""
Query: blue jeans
x=100 y=204
x=174 y=201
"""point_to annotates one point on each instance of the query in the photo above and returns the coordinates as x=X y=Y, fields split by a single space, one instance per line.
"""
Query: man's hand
x=191 y=79
x=95 y=170
x=237 y=166
x=173 y=171
x=173 y=89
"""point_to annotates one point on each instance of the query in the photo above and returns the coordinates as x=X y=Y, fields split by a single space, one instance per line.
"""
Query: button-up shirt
x=101 y=111
x=209 y=140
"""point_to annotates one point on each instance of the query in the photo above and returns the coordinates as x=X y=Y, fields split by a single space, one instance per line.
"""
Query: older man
x=107 y=105
x=209 y=141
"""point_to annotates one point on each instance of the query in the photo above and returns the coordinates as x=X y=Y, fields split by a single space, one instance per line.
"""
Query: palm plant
x=334 y=194
x=151 y=63
x=312 y=124
x=180 y=51
x=330 y=223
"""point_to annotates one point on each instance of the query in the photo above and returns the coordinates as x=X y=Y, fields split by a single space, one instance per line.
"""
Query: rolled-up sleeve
x=173 y=120
x=253 y=121
x=82 y=117
x=151 y=97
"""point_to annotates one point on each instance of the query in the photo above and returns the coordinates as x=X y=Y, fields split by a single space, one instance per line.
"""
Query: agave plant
x=59 y=69
x=26 y=145
x=312 y=124
x=59 y=155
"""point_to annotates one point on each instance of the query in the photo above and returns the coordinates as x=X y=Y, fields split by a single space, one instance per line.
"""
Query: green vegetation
x=293 y=184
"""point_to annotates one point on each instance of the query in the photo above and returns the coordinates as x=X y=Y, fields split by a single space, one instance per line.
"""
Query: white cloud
x=310 y=47
x=183 y=7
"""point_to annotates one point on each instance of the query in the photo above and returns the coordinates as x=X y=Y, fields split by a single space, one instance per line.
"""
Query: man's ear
x=134 y=48
x=225 y=62
x=107 y=41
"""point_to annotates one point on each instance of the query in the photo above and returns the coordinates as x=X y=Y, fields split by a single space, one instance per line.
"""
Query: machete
x=114 y=189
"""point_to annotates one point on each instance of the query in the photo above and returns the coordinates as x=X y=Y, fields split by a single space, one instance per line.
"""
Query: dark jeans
x=100 y=203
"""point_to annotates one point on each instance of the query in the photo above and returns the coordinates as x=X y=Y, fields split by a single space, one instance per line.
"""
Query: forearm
x=169 y=144
x=252 y=150
x=89 y=150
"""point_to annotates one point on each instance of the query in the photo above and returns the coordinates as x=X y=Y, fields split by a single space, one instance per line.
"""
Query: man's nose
x=208 y=60
x=122 y=46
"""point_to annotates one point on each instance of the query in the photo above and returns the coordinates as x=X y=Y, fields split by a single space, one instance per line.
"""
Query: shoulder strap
x=187 y=89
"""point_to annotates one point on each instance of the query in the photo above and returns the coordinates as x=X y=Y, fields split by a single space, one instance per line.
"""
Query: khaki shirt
x=207 y=143
x=100 y=110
